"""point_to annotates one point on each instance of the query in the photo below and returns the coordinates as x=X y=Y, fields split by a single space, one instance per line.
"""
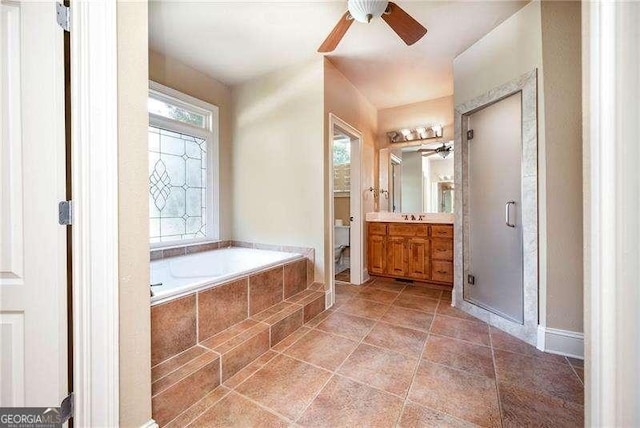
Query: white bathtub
x=182 y=275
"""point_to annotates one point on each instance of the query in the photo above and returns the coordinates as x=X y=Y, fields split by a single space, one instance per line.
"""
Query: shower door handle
x=507 y=213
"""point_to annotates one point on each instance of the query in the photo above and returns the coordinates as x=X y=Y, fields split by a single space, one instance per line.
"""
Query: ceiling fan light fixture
x=365 y=10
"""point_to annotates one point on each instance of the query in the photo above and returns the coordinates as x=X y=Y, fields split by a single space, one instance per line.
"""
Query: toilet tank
x=342 y=235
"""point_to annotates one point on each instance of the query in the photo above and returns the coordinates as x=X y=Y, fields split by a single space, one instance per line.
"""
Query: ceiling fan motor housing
x=365 y=10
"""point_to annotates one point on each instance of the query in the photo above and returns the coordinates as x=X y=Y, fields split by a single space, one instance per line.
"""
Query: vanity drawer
x=442 y=249
x=397 y=229
x=377 y=228
x=441 y=231
x=442 y=271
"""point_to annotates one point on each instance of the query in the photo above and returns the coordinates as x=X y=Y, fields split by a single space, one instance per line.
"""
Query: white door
x=495 y=209
x=33 y=300
x=356 y=220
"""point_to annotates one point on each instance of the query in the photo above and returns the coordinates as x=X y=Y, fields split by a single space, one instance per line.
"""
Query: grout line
x=497 y=383
x=575 y=371
x=407 y=399
x=262 y=406
x=334 y=374
x=195 y=370
x=254 y=372
x=415 y=371
x=204 y=411
x=197 y=318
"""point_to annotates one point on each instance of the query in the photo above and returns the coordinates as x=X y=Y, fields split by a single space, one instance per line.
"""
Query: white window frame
x=211 y=132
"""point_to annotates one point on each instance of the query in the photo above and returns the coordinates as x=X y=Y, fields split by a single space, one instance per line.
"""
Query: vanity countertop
x=387 y=217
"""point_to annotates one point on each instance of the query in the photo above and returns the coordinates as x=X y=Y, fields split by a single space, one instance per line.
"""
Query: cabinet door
x=442 y=271
x=442 y=249
x=419 y=258
x=396 y=256
x=377 y=254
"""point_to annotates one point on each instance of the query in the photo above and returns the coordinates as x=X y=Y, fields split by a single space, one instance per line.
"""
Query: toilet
x=342 y=236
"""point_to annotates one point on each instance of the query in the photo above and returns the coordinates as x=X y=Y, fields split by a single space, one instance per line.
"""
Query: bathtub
x=182 y=275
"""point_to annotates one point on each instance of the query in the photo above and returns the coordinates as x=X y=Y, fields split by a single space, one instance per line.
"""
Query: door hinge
x=471 y=279
x=63 y=16
x=67 y=408
x=470 y=134
x=65 y=213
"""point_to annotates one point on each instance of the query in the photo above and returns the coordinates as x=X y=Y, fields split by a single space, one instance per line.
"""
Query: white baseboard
x=561 y=342
x=149 y=424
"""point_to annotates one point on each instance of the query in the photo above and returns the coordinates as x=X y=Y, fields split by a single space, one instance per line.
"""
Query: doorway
x=345 y=212
x=496 y=208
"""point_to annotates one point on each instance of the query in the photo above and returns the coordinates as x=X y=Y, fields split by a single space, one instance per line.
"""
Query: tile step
x=181 y=381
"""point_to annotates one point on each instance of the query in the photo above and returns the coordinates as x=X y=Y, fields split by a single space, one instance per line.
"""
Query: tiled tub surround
x=395 y=354
x=179 y=275
x=203 y=339
x=308 y=253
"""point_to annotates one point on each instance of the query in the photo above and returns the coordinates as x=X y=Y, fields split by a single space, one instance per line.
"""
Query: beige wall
x=174 y=74
x=561 y=47
x=277 y=158
x=513 y=48
x=438 y=111
x=342 y=209
x=344 y=100
x=133 y=214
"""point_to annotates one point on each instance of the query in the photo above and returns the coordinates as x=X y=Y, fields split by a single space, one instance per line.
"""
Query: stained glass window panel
x=177 y=186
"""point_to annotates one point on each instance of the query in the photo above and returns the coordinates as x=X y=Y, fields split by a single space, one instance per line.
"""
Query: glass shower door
x=495 y=275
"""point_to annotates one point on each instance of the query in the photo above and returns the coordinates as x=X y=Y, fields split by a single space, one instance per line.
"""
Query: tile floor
x=391 y=354
x=344 y=276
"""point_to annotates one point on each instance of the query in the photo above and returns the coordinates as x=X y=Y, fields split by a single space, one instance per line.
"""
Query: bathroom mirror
x=419 y=178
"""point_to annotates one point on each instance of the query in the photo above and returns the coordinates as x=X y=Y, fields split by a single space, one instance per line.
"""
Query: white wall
x=278 y=159
x=546 y=37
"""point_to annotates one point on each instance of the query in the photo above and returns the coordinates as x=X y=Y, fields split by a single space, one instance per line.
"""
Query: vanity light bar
x=415 y=134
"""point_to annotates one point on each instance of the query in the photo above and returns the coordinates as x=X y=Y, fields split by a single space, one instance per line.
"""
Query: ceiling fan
x=443 y=151
x=409 y=30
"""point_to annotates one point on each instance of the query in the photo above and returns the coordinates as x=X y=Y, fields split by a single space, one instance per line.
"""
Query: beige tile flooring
x=391 y=354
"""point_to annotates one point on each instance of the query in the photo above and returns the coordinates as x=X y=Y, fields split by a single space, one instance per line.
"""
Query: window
x=342 y=167
x=183 y=168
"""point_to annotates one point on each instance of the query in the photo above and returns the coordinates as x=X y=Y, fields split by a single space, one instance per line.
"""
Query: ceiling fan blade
x=409 y=30
x=338 y=32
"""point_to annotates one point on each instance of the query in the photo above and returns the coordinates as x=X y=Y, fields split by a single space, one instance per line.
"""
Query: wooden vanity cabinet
x=377 y=252
x=417 y=251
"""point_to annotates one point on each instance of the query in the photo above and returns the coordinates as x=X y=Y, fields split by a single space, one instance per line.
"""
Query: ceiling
x=235 y=41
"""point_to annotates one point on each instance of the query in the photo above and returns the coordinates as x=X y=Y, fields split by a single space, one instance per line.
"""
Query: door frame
x=527 y=84
x=610 y=65
x=357 y=251
x=94 y=130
